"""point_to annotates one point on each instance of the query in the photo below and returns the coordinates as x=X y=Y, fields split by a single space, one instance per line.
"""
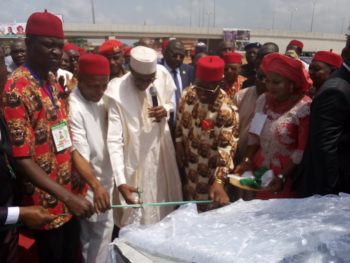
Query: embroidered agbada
x=30 y=114
x=209 y=136
x=141 y=151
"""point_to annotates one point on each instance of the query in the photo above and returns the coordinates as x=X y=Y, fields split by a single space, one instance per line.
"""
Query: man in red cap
x=294 y=50
x=89 y=131
x=113 y=50
x=40 y=137
x=233 y=79
x=10 y=212
x=295 y=45
x=325 y=166
x=206 y=133
x=322 y=66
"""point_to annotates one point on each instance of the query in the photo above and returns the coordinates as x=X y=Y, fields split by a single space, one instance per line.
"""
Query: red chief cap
x=289 y=68
x=44 y=24
x=210 y=68
x=81 y=51
x=165 y=43
x=232 y=58
x=329 y=58
x=70 y=46
x=94 y=64
x=110 y=47
x=296 y=43
x=127 y=51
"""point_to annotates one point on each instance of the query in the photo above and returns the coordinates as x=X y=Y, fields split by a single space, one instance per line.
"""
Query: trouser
x=59 y=245
x=9 y=246
x=95 y=238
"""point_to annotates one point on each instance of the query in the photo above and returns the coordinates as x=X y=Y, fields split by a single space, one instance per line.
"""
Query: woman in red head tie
x=279 y=129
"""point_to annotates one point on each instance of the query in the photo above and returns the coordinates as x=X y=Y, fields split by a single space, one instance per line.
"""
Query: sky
x=329 y=16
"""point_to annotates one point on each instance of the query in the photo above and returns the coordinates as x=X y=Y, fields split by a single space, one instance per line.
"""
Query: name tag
x=257 y=123
x=61 y=136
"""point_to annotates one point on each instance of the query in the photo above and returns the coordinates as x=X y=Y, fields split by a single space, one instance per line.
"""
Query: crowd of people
x=84 y=131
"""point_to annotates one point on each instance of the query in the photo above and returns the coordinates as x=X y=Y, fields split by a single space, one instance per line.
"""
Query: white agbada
x=88 y=122
x=141 y=151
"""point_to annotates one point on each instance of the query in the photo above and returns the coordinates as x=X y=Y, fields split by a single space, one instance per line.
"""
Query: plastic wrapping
x=315 y=229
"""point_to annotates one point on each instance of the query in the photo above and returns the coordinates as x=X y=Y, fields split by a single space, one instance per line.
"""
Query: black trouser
x=8 y=246
x=59 y=245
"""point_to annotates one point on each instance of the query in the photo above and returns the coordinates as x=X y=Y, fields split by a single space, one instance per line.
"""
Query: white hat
x=143 y=60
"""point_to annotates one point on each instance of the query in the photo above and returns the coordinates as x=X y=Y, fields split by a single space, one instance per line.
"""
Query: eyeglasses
x=211 y=91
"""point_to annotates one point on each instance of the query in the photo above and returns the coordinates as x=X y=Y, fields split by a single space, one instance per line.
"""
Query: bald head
x=18 y=52
x=174 y=53
x=267 y=48
x=146 y=42
x=225 y=46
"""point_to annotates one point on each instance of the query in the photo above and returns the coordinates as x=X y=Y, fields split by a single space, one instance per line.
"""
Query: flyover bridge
x=313 y=41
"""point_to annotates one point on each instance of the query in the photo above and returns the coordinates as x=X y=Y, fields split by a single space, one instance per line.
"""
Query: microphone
x=153 y=93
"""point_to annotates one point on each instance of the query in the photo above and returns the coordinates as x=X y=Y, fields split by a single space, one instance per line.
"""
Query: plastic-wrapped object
x=315 y=229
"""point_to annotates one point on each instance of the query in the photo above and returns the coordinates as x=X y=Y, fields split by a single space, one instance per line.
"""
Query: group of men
x=79 y=143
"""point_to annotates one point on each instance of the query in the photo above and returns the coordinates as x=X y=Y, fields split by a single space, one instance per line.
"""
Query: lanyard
x=45 y=86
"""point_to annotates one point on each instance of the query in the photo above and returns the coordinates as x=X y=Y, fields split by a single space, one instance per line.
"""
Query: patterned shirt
x=209 y=135
x=31 y=108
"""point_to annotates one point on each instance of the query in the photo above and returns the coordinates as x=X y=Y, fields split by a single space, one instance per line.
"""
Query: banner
x=12 y=29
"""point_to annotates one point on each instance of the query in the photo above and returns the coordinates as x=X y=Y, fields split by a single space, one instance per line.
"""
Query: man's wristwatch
x=282 y=177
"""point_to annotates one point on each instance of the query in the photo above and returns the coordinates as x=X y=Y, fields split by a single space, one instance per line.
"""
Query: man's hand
x=128 y=193
x=180 y=154
x=71 y=83
x=101 y=199
x=79 y=206
x=245 y=165
x=35 y=216
x=158 y=113
x=218 y=194
x=276 y=185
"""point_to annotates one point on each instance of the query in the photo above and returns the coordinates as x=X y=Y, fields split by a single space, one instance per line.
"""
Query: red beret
x=165 y=43
x=94 y=64
x=44 y=24
x=232 y=58
x=70 y=46
x=210 y=68
x=296 y=43
x=110 y=47
x=329 y=58
x=289 y=68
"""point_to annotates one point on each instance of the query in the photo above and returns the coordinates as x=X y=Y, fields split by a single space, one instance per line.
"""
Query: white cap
x=143 y=60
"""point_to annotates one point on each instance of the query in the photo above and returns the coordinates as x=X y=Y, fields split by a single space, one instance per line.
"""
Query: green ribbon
x=175 y=203
x=256 y=181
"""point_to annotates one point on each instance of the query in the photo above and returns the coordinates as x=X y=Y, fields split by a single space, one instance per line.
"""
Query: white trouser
x=95 y=238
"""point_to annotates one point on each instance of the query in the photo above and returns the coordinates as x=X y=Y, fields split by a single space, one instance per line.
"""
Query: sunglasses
x=175 y=55
x=210 y=90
